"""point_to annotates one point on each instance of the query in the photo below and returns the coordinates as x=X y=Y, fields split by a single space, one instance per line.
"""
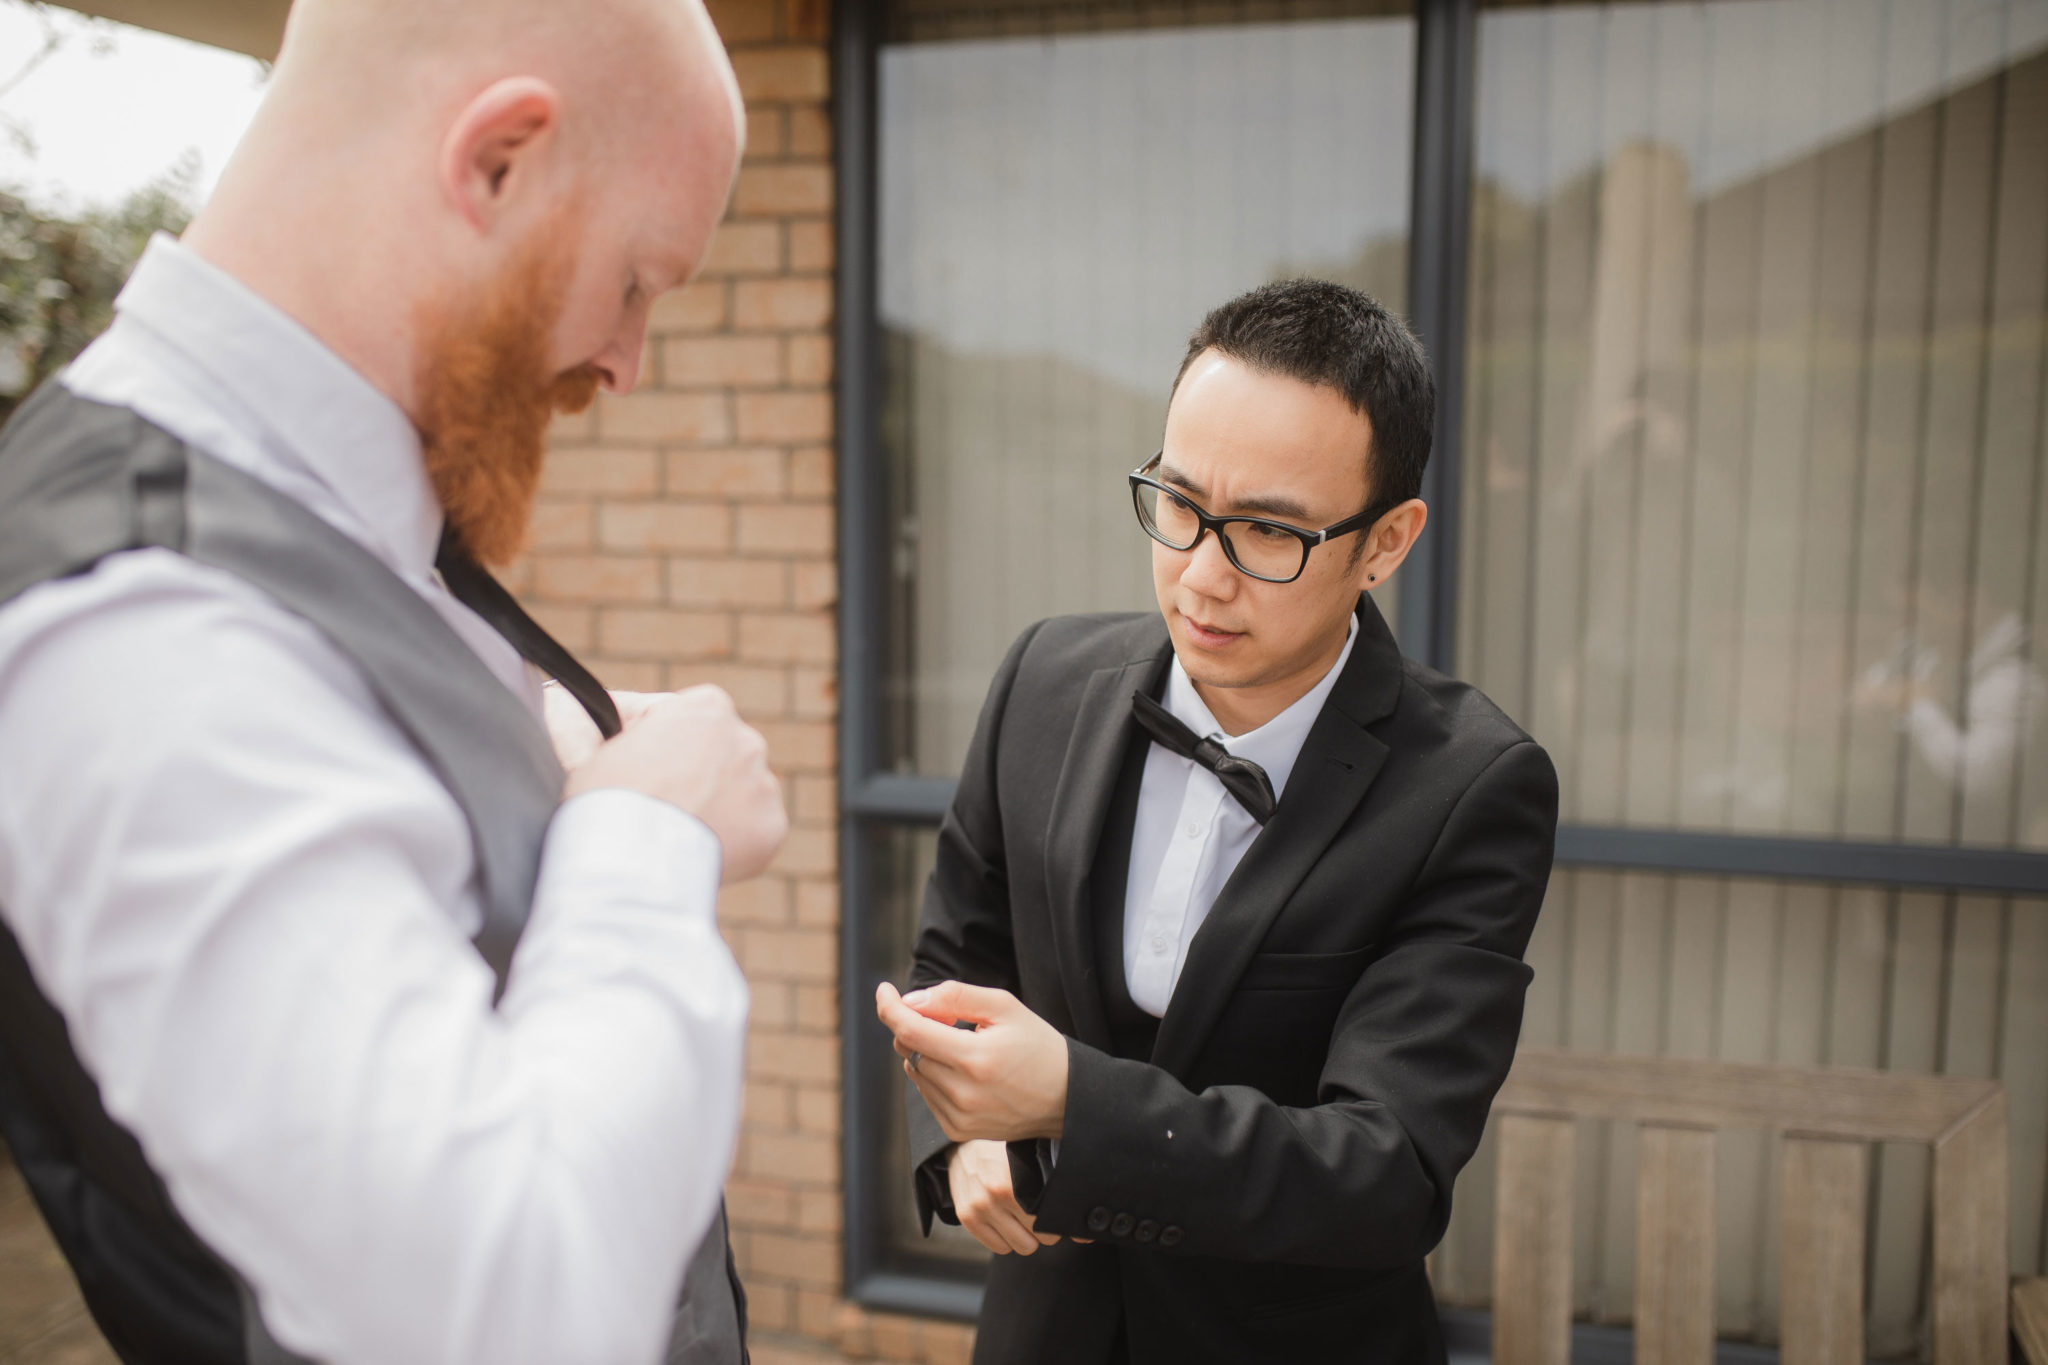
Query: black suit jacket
x=1263 y=1186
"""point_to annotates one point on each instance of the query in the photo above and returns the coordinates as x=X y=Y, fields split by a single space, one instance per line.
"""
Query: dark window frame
x=1445 y=105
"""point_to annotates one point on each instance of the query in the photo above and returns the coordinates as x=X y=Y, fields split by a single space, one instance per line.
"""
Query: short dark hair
x=1341 y=338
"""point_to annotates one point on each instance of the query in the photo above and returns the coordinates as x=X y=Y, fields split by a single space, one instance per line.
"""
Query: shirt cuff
x=629 y=846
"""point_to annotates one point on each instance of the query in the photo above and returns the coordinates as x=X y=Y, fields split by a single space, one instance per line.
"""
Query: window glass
x=1063 y=194
x=1754 y=494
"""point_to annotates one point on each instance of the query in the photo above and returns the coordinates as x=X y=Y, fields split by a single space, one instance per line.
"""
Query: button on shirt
x=1191 y=833
x=251 y=899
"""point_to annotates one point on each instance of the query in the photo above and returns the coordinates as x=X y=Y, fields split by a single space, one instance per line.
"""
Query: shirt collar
x=317 y=412
x=1275 y=745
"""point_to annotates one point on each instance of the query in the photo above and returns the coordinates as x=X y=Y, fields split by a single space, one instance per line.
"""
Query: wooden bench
x=1828 y=1118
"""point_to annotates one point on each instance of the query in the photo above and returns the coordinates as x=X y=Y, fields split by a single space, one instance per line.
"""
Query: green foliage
x=59 y=275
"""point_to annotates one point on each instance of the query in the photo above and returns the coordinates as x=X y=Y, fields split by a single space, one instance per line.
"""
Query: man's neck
x=1241 y=710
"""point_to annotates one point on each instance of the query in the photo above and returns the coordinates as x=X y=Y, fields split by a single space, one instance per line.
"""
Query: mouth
x=1209 y=637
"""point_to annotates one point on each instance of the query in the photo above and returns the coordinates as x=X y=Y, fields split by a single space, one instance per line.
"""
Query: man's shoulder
x=1061 y=646
x=1454 y=717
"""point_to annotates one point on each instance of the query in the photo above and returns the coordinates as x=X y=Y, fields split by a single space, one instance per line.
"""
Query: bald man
x=338 y=1022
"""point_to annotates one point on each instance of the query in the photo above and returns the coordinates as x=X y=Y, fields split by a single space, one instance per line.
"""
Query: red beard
x=485 y=398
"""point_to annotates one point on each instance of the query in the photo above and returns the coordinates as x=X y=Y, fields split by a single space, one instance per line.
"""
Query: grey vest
x=80 y=481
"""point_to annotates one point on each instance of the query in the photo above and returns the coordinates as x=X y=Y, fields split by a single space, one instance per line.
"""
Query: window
x=1740 y=315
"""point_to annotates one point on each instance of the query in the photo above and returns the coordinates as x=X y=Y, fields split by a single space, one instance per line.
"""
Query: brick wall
x=685 y=535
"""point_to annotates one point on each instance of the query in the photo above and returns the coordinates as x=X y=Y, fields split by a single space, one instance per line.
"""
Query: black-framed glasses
x=1270 y=551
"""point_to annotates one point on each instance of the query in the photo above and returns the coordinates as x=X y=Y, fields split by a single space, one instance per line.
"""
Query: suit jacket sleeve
x=1420 y=1047
x=964 y=931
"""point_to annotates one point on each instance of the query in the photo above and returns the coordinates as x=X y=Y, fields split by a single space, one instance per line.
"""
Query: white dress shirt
x=1191 y=833
x=251 y=899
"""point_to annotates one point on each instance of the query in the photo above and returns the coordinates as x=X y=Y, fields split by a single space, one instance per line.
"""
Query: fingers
x=952 y=1000
x=915 y=1033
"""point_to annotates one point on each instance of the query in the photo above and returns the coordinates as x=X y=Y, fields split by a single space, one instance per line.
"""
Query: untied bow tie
x=1241 y=777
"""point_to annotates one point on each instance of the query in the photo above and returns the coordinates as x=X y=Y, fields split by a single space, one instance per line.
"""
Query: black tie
x=473 y=586
x=1241 y=777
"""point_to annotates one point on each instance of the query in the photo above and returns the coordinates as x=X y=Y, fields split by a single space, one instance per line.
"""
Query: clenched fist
x=692 y=750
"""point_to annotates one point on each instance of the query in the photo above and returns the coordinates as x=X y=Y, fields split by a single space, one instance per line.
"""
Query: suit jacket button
x=1169 y=1236
x=1098 y=1219
x=1148 y=1228
x=1121 y=1227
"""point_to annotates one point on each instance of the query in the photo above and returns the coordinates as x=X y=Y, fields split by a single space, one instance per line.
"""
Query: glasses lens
x=1265 y=551
x=1167 y=517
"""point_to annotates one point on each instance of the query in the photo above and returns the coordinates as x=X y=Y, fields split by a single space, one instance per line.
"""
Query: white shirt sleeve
x=247 y=895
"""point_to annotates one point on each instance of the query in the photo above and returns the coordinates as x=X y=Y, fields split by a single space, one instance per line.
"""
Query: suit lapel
x=1338 y=762
x=1080 y=804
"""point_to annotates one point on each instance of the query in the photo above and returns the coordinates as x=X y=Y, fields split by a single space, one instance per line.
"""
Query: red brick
x=809 y=852
x=787 y=304
x=768 y=1106
x=749 y=472
x=727 y=583
x=703 y=362
x=774 y=1002
x=810 y=246
x=789 y=954
x=812 y=800
x=810 y=131
x=783 y=188
x=764 y=900
x=808 y=638
x=562 y=525
x=664 y=526
x=805 y=1157
x=760 y=693
x=760 y=1203
x=597 y=578
x=743 y=21
x=799 y=416
x=818 y=1211
x=774 y=1055
x=771 y=1307
x=817 y=1111
x=796 y=746
x=802 y=1260
x=814 y=583
x=653 y=633
x=948 y=1343
x=574 y=470
x=808 y=21
x=810 y=472
x=786 y=528
x=664 y=418
x=698 y=308
x=744 y=248
x=767 y=132
x=810 y=361
x=815 y=1008
x=783 y=73
x=894 y=1337
x=817 y=903
x=629 y=675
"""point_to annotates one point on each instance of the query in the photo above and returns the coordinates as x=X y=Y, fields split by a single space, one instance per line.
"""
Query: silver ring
x=915 y=1058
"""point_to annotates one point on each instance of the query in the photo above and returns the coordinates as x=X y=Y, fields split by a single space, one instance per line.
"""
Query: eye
x=1180 y=504
x=1268 y=532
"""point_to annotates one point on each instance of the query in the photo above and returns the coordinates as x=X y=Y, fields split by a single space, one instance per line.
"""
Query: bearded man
x=337 y=1023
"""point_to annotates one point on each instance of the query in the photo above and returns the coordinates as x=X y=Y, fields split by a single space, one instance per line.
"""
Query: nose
x=620 y=361
x=1209 y=571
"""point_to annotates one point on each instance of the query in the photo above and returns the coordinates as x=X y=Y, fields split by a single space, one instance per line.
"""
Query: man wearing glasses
x=1221 y=959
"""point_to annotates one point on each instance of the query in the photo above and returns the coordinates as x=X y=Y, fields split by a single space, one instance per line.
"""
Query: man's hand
x=1006 y=1080
x=692 y=750
x=574 y=734
x=979 y=1174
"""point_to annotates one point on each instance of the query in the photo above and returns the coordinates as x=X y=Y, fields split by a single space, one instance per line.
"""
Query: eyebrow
x=1267 y=505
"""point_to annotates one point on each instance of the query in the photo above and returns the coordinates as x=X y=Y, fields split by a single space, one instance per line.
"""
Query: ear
x=491 y=157
x=1390 y=541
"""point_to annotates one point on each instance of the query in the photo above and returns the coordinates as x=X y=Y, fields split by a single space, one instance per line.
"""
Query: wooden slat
x=1837 y=1102
x=2030 y=1320
x=1532 y=1247
x=1674 y=1246
x=1822 y=1196
x=1970 y=1218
